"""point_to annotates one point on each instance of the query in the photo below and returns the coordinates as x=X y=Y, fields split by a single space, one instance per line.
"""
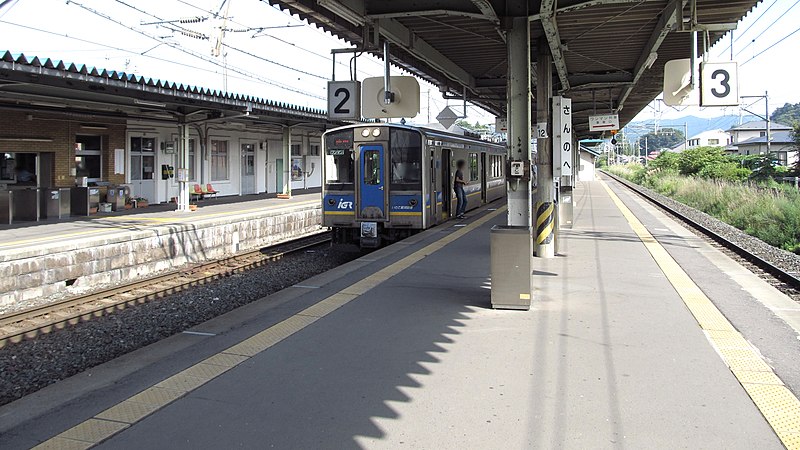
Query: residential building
x=710 y=138
x=782 y=146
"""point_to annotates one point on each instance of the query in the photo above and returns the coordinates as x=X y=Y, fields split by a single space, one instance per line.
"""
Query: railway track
x=29 y=323
x=790 y=279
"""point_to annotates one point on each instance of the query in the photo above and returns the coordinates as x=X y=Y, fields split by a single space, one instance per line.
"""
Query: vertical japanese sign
x=562 y=136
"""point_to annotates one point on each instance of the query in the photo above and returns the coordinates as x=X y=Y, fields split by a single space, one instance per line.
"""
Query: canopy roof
x=601 y=48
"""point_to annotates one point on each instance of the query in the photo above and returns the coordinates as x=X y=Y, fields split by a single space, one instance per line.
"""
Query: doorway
x=371 y=192
x=143 y=163
x=447 y=183
x=279 y=176
x=248 y=169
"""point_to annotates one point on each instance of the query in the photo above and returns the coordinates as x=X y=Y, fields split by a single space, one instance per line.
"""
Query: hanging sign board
x=500 y=125
x=344 y=100
x=719 y=84
x=562 y=136
x=604 y=122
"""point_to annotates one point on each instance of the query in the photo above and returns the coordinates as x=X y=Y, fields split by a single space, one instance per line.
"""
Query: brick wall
x=61 y=128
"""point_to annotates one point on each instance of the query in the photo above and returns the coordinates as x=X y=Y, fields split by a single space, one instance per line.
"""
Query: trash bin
x=116 y=196
x=511 y=267
x=26 y=205
x=79 y=201
x=51 y=203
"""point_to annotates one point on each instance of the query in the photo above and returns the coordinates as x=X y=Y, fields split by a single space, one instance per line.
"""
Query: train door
x=447 y=183
x=433 y=216
x=371 y=186
x=484 y=192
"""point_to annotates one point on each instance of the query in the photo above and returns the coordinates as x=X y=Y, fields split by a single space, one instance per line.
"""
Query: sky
x=290 y=60
x=774 y=71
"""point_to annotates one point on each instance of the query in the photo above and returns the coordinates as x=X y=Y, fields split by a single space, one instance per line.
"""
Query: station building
x=65 y=124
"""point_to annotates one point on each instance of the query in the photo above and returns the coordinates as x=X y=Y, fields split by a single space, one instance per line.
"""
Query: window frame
x=217 y=154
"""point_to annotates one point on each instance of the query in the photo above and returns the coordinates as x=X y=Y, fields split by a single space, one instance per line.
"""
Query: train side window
x=473 y=166
x=372 y=167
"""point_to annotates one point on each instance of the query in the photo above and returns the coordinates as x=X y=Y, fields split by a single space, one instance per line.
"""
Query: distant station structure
x=64 y=124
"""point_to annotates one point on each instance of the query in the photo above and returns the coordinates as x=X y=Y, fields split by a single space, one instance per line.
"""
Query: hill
x=695 y=125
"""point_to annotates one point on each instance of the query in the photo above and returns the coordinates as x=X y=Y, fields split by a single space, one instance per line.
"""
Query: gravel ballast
x=33 y=364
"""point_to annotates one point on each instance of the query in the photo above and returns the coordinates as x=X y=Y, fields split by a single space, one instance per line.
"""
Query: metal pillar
x=544 y=244
x=183 y=163
x=519 y=118
x=287 y=162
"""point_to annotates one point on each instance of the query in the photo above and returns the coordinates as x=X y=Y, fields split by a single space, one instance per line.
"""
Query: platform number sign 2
x=344 y=100
x=719 y=84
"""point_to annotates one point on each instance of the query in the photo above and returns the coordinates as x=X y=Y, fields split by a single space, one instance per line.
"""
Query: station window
x=313 y=150
x=191 y=160
x=406 y=157
x=473 y=167
x=89 y=157
x=220 y=167
x=296 y=150
x=713 y=142
x=7 y=166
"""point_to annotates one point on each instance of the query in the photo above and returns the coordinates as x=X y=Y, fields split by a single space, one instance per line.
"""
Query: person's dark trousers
x=461 y=197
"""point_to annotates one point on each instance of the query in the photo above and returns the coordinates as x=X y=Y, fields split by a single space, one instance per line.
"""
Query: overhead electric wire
x=197 y=55
x=749 y=27
x=9 y=3
x=326 y=57
x=111 y=47
x=200 y=35
x=770 y=47
x=768 y=28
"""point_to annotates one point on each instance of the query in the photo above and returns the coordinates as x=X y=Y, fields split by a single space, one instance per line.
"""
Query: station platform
x=46 y=258
x=640 y=336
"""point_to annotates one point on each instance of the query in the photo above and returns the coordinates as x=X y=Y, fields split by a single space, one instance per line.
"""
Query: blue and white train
x=384 y=182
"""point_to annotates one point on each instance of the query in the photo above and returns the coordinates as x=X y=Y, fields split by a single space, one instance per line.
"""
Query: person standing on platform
x=458 y=187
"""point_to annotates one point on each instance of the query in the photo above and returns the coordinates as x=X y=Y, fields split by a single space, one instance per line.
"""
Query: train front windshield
x=339 y=163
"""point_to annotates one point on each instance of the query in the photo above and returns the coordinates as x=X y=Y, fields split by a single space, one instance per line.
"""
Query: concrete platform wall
x=91 y=263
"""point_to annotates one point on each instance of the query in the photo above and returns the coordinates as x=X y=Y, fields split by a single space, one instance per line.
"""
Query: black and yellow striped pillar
x=544 y=222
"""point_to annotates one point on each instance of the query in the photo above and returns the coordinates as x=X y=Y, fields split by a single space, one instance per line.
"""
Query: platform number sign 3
x=719 y=84
x=344 y=100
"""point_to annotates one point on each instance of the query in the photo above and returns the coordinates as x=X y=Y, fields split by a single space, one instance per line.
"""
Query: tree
x=788 y=114
x=665 y=138
x=796 y=139
x=477 y=127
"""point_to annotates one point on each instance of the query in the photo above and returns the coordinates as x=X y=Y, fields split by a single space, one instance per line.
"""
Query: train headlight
x=376 y=132
x=365 y=132
x=412 y=202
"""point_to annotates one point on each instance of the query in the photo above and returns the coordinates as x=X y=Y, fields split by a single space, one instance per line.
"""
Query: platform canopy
x=608 y=55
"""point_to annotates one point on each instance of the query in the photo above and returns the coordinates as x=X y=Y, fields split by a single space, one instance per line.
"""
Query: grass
x=770 y=212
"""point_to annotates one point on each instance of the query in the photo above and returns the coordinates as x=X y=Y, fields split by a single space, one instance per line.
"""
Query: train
x=384 y=182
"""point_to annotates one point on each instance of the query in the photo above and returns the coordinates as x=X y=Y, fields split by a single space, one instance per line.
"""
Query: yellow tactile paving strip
x=775 y=401
x=122 y=415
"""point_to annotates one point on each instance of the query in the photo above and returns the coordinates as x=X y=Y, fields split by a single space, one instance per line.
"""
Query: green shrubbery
x=765 y=209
